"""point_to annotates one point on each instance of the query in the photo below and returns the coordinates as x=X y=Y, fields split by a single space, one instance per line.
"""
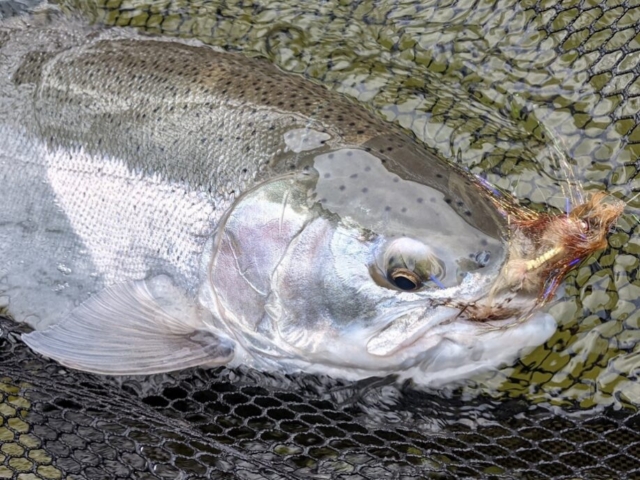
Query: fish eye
x=405 y=279
x=407 y=265
x=482 y=258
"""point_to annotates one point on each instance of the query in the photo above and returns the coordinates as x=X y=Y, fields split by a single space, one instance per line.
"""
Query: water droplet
x=59 y=286
x=64 y=269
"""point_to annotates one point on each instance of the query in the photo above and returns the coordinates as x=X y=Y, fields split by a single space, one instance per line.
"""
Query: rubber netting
x=221 y=424
x=498 y=86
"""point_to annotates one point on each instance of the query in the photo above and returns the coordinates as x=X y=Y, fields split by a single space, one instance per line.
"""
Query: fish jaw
x=449 y=349
x=466 y=316
x=464 y=350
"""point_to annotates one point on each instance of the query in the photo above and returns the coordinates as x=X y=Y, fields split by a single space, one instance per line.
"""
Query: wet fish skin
x=123 y=155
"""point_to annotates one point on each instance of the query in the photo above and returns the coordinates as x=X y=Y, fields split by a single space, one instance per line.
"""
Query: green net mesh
x=543 y=98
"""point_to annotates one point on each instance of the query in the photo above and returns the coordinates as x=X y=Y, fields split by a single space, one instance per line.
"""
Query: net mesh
x=498 y=86
x=224 y=424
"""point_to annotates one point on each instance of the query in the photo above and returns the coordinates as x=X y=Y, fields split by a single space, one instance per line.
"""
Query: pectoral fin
x=140 y=327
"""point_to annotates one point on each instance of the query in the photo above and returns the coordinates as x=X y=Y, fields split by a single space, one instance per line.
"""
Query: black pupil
x=404 y=283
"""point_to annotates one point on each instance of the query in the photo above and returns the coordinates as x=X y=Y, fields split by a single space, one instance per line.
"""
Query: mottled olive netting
x=499 y=86
x=225 y=424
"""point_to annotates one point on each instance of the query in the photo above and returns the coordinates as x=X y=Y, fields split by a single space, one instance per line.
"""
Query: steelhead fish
x=164 y=205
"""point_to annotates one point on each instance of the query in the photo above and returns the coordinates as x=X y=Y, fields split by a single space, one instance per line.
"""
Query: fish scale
x=177 y=155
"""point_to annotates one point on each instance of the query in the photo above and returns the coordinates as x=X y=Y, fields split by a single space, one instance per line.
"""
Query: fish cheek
x=250 y=243
x=317 y=287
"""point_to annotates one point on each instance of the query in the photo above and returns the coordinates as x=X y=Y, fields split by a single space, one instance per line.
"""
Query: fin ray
x=141 y=327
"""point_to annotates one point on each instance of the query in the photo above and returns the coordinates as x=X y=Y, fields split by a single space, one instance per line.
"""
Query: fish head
x=355 y=267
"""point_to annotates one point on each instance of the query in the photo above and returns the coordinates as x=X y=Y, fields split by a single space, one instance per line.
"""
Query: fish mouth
x=543 y=249
x=484 y=313
x=408 y=327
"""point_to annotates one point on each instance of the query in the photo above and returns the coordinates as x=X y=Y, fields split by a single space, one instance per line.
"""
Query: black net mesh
x=495 y=85
x=238 y=424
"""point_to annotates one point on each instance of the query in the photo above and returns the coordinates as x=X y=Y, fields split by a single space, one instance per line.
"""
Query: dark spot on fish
x=467 y=213
x=447 y=200
x=355 y=175
x=419 y=199
x=387 y=208
x=327 y=175
x=367 y=169
x=244 y=170
x=342 y=187
x=484 y=243
x=432 y=200
x=403 y=209
x=439 y=175
x=365 y=190
x=331 y=155
x=349 y=153
x=459 y=203
x=389 y=149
